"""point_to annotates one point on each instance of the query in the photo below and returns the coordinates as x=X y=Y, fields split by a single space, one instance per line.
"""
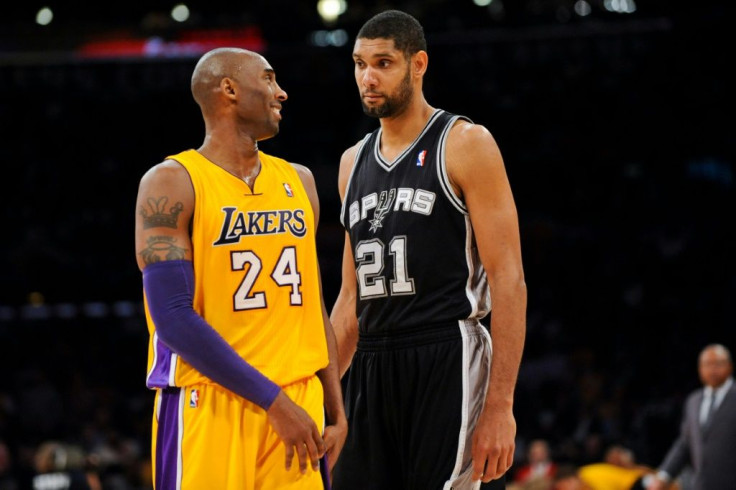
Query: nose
x=368 y=78
x=281 y=93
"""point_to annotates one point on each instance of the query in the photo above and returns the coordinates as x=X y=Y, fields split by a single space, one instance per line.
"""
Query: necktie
x=711 y=409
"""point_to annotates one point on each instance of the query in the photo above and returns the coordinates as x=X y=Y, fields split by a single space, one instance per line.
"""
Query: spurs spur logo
x=384 y=205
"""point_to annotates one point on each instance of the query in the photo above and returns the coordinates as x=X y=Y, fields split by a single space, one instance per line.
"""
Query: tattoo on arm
x=161 y=248
x=157 y=215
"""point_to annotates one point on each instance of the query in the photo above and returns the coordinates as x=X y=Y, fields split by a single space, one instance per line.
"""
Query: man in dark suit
x=707 y=439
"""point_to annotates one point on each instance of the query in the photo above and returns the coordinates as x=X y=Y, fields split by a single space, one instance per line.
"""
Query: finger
x=491 y=469
x=321 y=447
x=497 y=470
x=314 y=454
x=509 y=460
x=328 y=439
x=331 y=460
x=301 y=451
x=479 y=467
x=289 y=456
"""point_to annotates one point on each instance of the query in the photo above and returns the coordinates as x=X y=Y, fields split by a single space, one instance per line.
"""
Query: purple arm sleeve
x=169 y=289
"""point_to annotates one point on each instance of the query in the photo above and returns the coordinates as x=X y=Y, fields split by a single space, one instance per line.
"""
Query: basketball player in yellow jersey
x=242 y=355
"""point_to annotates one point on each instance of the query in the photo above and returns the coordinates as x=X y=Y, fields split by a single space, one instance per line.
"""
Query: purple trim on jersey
x=158 y=377
x=324 y=471
x=167 y=440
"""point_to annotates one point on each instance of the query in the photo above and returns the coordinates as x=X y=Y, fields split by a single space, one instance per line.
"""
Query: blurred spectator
x=567 y=478
x=63 y=467
x=539 y=465
x=617 y=471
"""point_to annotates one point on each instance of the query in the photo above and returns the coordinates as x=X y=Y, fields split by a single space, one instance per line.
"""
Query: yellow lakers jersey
x=256 y=273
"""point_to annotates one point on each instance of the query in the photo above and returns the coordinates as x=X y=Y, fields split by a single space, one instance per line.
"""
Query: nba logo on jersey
x=289 y=192
x=194 y=399
x=420 y=158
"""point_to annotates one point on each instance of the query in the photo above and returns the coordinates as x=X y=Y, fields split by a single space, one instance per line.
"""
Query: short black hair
x=406 y=31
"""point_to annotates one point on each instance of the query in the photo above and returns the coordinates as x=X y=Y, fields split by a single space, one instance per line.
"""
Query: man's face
x=714 y=367
x=383 y=77
x=262 y=96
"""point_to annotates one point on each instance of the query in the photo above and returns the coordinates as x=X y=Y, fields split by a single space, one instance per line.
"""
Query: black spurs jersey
x=416 y=260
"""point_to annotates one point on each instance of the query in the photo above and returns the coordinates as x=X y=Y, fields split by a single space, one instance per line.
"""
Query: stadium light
x=330 y=10
x=180 y=13
x=44 y=16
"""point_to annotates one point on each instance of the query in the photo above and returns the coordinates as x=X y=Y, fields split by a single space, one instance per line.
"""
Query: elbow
x=346 y=330
x=510 y=282
x=519 y=288
x=171 y=322
x=520 y=285
x=165 y=328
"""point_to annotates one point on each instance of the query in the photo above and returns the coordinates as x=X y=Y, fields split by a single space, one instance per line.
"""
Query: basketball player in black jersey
x=432 y=237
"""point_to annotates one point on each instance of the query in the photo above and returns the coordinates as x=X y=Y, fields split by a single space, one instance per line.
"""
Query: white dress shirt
x=719 y=392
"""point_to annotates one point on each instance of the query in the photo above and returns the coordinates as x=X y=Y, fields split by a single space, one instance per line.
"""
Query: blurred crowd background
x=615 y=120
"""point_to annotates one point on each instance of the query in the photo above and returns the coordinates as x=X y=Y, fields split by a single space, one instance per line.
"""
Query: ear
x=228 y=88
x=419 y=62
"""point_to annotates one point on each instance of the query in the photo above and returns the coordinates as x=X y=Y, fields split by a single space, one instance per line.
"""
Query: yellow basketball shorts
x=205 y=437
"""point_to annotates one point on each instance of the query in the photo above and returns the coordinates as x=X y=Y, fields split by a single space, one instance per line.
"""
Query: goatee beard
x=392 y=106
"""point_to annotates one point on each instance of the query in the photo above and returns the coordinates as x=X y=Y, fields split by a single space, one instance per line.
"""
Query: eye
x=384 y=63
x=359 y=63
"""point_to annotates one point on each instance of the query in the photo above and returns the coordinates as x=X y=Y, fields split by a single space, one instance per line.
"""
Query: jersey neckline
x=260 y=176
x=389 y=165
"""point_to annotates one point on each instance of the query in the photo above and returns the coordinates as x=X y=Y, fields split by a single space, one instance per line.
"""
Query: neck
x=403 y=128
x=237 y=156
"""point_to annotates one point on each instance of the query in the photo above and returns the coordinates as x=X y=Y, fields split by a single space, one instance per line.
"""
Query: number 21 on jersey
x=371 y=256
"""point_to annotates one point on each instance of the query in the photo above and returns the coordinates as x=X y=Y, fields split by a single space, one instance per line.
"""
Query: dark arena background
x=615 y=120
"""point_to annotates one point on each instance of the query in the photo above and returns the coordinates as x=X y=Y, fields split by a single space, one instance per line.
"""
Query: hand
x=297 y=430
x=334 y=437
x=655 y=483
x=493 y=444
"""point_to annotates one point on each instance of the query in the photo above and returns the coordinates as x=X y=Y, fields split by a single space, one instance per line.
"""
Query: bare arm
x=477 y=172
x=164 y=209
x=343 y=316
x=336 y=425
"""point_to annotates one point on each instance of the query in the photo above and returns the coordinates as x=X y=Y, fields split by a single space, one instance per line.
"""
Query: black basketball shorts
x=412 y=400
